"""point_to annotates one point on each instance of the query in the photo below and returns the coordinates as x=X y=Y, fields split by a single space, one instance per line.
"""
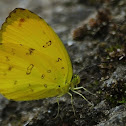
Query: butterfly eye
x=74 y=76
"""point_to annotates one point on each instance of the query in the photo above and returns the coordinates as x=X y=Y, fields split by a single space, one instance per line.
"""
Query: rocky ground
x=93 y=32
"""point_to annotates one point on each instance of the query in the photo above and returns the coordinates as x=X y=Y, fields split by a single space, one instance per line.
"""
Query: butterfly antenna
x=72 y=102
x=88 y=67
x=58 y=107
x=91 y=66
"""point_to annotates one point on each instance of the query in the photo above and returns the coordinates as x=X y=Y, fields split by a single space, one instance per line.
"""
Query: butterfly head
x=75 y=81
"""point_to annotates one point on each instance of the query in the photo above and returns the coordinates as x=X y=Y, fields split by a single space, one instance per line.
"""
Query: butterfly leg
x=78 y=88
x=72 y=102
x=58 y=107
x=82 y=97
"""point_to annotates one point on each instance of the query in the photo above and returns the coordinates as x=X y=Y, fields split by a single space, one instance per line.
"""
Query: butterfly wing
x=34 y=63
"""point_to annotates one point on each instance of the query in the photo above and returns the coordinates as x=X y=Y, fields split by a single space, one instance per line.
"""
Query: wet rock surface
x=94 y=33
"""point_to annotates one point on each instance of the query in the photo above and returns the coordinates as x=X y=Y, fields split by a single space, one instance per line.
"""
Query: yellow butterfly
x=34 y=63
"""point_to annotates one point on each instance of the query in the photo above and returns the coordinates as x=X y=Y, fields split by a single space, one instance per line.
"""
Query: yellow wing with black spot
x=34 y=63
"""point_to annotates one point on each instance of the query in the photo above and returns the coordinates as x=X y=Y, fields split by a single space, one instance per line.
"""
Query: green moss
x=114 y=47
x=116 y=94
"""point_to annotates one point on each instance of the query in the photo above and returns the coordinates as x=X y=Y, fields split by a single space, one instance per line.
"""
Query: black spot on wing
x=62 y=67
x=59 y=59
x=7 y=58
x=49 y=43
x=21 y=21
x=43 y=76
x=15 y=82
x=29 y=69
x=45 y=85
x=13 y=51
x=48 y=71
x=10 y=68
x=31 y=50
